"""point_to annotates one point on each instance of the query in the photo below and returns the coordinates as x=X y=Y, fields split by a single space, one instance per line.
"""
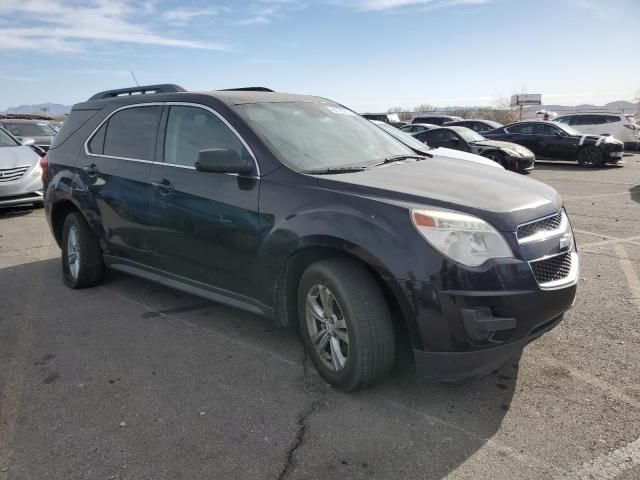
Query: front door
x=205 y=225
x=114 y=172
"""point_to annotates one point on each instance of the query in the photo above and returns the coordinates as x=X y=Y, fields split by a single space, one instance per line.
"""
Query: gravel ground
x=133 y=380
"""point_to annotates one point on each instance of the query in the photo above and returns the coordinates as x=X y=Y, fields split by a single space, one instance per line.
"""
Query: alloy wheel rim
x=73 y=252
x=327 y=327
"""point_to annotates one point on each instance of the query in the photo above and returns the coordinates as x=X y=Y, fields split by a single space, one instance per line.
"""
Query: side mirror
x=26 y=141
x=222 y=160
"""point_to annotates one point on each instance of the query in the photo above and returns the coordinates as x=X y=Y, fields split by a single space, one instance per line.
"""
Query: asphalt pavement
x=131 y=380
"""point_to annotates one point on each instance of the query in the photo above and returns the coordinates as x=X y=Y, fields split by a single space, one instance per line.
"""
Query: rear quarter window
x=75 y=120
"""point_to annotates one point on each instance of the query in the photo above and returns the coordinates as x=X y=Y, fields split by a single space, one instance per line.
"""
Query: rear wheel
x=345 y=324
x=82 y=264
x=590 y=156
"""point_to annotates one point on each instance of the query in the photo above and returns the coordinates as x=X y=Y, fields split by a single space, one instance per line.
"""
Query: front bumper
x=453 y=366
x=471 y=320
x=520 y=164
x=26 y=190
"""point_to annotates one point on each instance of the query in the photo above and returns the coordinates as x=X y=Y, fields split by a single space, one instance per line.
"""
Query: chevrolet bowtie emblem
x=565 y=241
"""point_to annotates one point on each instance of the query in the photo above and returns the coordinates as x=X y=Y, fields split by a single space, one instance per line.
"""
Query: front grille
x=11 y=174
x=552 y=269
x=547 y=224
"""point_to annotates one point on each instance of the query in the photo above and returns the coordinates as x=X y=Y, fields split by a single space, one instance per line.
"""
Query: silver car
x=20 y=172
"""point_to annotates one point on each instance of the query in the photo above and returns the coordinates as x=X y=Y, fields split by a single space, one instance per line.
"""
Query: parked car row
x=517 y=145
x=39 y=130
x=20 y=172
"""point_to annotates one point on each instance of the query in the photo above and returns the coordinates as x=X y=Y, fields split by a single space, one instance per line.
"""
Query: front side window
x=192 y=129
x=318 y=135
x=546 y=129
x=131 y=133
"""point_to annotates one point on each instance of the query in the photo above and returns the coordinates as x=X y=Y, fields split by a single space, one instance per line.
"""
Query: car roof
x=421 y=125
x=590 y=113
x=228 y=97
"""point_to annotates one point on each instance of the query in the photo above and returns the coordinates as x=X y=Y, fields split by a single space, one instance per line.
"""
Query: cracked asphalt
x=130 y=380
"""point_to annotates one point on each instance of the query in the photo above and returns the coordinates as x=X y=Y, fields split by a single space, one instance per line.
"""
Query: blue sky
x=368 y=54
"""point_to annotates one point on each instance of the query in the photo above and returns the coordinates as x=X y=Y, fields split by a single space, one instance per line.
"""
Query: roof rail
x=246 y=89
x=141 y=90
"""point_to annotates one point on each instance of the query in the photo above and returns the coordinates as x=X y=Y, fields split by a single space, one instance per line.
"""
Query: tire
x=497 y=157
x=360 y=315
x=88 y=268
x=590 y=156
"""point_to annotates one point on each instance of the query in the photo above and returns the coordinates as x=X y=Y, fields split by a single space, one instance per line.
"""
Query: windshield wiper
x=398 y=158
x=329 y=170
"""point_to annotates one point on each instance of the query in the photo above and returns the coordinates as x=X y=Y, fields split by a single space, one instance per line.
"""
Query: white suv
x=620 y=126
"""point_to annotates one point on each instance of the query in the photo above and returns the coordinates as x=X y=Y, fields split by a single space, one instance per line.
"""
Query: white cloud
x=389 y=5
x=66 y=26
x=184 y=15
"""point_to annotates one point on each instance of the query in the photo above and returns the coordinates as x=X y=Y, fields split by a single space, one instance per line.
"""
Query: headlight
x=464 y=238
x=37 y=170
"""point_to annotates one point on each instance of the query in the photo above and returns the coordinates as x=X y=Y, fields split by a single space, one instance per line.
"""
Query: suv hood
x=502 y=198
x=12 y=157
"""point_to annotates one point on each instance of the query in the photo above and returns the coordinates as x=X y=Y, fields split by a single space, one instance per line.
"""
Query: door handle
x=164 y=186
x=91 y=170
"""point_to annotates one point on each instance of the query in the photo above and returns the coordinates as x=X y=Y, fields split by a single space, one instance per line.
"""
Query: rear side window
x=131 y=133
x=526 y=129
x=612 y=119
x=191 y=129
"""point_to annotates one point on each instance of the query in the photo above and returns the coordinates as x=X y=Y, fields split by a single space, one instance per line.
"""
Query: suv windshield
x=6 y=140
x=405 y=138
x=20 y=129
x=311 y=136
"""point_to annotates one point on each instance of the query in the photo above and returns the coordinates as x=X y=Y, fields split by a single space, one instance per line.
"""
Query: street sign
x=526 y=99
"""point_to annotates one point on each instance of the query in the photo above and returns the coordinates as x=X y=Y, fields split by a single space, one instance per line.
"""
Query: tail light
x=44 y=165
x=630 y=126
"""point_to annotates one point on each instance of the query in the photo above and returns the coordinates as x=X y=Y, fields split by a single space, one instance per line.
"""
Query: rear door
x=114 y=170
x=204 y=225
x=524 y=134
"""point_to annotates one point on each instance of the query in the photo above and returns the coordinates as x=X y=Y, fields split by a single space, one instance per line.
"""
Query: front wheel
x=590 y=156
x=82 y=264
x=345 y=324
x=497 y=157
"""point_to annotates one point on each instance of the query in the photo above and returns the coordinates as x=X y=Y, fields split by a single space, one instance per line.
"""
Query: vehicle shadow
x=15 y=211
x=563 y=166
x=241 y=367
x=635 y=193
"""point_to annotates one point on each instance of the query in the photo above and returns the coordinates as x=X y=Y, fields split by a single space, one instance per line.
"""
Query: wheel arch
x=287 y=278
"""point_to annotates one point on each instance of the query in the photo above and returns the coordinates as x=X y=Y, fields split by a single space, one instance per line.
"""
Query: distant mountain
x=41 y=108
x=618 y=106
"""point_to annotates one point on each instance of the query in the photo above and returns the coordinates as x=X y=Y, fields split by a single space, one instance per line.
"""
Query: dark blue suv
x=296 y=208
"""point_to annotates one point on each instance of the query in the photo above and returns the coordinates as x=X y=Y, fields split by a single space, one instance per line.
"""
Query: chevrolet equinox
x=297 y=208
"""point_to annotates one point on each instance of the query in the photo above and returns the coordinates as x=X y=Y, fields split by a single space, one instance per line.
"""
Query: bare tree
x=403 y=113
x=424 y=108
